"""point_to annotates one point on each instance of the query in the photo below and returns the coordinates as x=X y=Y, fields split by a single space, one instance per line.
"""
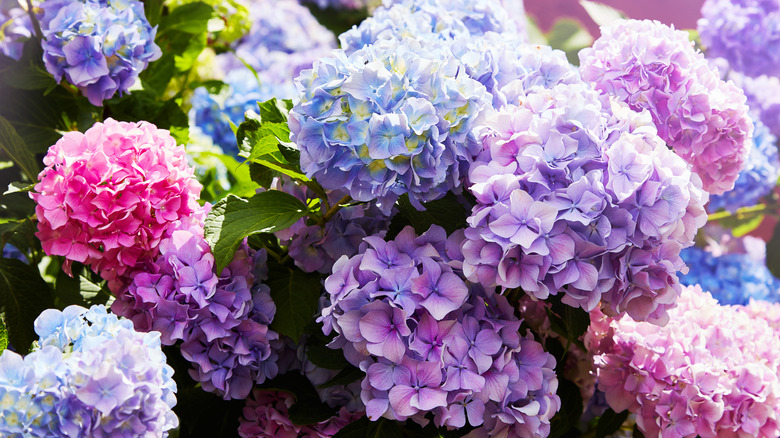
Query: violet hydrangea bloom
x=90 y=374
x=100 y=46
x=221 y=319
x=16 y=28
x=107 y=196
x=431 y=342
x=654 y=67
x=763 y=98
x=745 y=32
x=711 y=371
x=757 y=179
x=577 y=193
x=389 y=119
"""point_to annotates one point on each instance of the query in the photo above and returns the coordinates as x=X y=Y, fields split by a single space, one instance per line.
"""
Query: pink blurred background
x=682 y=13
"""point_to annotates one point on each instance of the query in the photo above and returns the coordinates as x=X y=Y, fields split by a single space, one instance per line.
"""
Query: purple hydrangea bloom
x=221 y=319
x=429 y=341
x=757 y=179
x=389 y=119
x=90 y=375
x=745 y=32
x=654 y=67
x=577 y=193
x=16 y=28
x=100 y=46
x=763 y=98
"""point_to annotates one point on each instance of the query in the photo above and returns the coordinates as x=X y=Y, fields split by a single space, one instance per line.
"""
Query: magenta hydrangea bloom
x=654 y=67
x=713 y=371
x=577 y=194
x=107 y=196
x=429 y=341
x=266 y=416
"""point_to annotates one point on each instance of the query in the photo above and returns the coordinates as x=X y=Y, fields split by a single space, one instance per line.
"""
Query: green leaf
x=192 y=18
x=274 y=111
x=346 y=376
x=569 y=36
x=3 y=336
x=365 y=428
x=19 y=233
x=261 y=175
x=145 y=105
x=16 y=187
x=233 y=218
x=308 y=408
x=159 y=73
x=773 y=252
x=287 y=170
x=23 y=296
x=446 y=212
x=13 y=145
x=186 y=60
x=296 y=295
x=567 y=321
x=571 y=408
x=637 y=433
x=610 y=422
x=600 y=13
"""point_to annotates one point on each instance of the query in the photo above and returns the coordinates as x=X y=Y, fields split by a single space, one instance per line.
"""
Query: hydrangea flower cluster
x=285 y=38
x=430 y=19
x=757 y=179
x=316 y=248
x=266 y=416
x=15 y=28
x=100 y=46
x=730 y=278
x=578 y=197
x=89 y=375
x=763 y=98
x=745 y=32
x=430 y=342
x=654 y=67
x=712 y=371
x=107 y=196
x=221 y=319
x=769 y=312
x=213 y=114
x=389 y=119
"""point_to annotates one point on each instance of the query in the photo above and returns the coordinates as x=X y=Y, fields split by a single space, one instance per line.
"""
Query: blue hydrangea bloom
x=730 y=278
x=100 y=46
x=12 y=252
x=15 y=28
x=394 y=117
x=214 y=113
x=745 y=32
x=759 y=176
x=90 y=374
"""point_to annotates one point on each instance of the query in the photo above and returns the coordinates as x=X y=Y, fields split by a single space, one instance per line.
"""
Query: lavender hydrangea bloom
x=16 y=28
x=730 y=278
x=221 y=319
x=91 y=375
x=757 y=179
x=389 y=119
x=285 y=38
x=431 y=342
x=214 y=113
x=745 y=32
x=654 y=67
x=100 y=46
x=577 y=193
x=763 y=98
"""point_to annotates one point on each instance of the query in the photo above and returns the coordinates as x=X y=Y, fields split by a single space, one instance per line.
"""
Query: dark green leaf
x=296 y=295
x=192 y=18
x=637 y=433
x=3 y=336
x=13 y=145
x=365 y=428
x=346 y=376
x=20 y=234
x=212 y=86
x=233 y=218
x=261 y=175
x=308 y=408
x=446 y=212
x=16 y=187
x=186 y=60
x=567 y=321
x=29 y=73
x=610 y=422
x=318 y=352
x=153 y=10
x=159 y=73
x=773 y=252
x=571 y=409
x=23 y=295
x=145 y=105
x=337 y=20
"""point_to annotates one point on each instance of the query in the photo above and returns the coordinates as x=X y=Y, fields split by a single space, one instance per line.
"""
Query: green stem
x=335 y=209
x=742 y=213
x=34 y=19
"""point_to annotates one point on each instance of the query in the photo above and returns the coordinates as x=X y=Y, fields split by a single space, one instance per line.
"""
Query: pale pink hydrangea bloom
x=652 y=66
x=712 y=371
x=107 y=196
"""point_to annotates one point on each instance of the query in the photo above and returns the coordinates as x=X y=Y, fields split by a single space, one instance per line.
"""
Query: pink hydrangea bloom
x=266 y=416
x=769 y=312
x=652 y=66
x=712 y=371
x=107 y=196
